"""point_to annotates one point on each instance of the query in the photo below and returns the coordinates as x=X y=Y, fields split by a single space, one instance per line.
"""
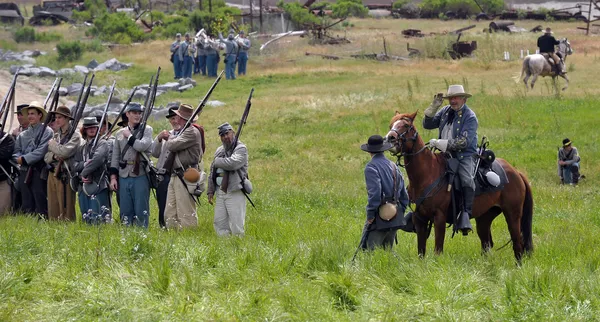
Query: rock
x=65 y=72
x=92 y=64
x=81 y=69
x=33 y=71
x=189 y=81
x=63 y=91
x=14 y=68
x=171 y=86
x=115 y=99
x=115 y=107
x=140 y=93
x=159 y=114
x=27 y=53
x=159 y=93
x=47 y=72
x=215 y=103
x=43 y=53
x=74 y=89
x=113 y=64
x=181 y=81
x=185 y=87
x=100 y=91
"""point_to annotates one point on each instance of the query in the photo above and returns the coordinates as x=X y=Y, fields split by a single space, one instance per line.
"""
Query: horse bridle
x=401 y=139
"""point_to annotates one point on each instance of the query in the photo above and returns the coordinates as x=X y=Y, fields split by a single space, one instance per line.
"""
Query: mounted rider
x=546 y=44
x=457 y=125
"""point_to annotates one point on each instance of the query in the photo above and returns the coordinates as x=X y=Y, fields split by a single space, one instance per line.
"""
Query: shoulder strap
x=201 y=129
x=394 y=172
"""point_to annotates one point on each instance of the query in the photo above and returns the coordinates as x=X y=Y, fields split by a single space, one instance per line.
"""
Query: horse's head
x=402 y=134
x=564 y=47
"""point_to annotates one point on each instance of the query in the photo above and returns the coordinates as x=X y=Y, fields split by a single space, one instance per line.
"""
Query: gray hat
x=90 y=122
x=241 y=32
x=187 y=34
x=178 y=34
x=223 y=128
x=134 y=107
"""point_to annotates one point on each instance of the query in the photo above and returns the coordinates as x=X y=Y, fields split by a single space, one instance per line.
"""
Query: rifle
x=8 y=98
x=77 y=113
x=50 y=93
x=200 y=107
x=139 y=132
x=111 y=129
x=96 y=138
x=363 y=240
x=229 y=151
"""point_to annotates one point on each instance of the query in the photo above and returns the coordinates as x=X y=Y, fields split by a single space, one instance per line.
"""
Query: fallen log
x=332 y=57
x=458 y=31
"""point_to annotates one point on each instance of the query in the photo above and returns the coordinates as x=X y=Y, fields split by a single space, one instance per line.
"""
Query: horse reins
x=402 y=137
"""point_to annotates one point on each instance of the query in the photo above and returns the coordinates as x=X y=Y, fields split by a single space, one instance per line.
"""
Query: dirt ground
x=28 y=90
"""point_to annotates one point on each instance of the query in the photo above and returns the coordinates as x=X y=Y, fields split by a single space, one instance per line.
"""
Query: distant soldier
x=160 y=151
x=29 y=154
x=16 y=189
x=230 y=207
x=231 y=50
x=128 y=175
x=568 y=163
x=61 y=198
x=186 y=175
x=175 y=57
x=546 y=44
x=7 y=146
x=186 y=54
x=243 y=53
x=212 y=60
x=200 y=63
x=91 y=167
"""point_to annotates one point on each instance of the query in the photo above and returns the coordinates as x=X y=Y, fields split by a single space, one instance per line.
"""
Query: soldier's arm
x=156 y=147
x=373 y=191
x=144 y=143
x=116 y=154
x=39 y=152
x=430 y=123
x=66 y=150
x=237 y=160
x=98 y=159
x=184 y=141
x=7 y=147
x=17 y=150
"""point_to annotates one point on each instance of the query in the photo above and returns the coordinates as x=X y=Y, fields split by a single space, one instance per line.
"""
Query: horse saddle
x=549 y=58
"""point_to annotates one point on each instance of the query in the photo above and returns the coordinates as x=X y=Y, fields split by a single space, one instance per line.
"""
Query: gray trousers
x=230 y=213
x=466 y=167
x=383 y=239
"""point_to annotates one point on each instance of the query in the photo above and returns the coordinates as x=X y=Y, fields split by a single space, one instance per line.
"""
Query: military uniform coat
x=25 y=145
x=464 y=127
x=237 y=160
x=142 y=145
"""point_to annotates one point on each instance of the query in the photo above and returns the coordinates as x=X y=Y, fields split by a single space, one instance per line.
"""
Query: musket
x=363 y=240
x=229 y=151
x=96 y=138
x=200 y=106
x=111 y=129
x=50 y=93
x=8 y=98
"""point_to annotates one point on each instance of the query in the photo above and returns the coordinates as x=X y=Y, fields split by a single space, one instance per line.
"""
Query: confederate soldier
x=128 y=175
x=185 y=155
x=186 y=55
x=23 y=121
x=160 y=151
x=23 y=125
x=387 y=197
x=29 y=154
x=231 y=50
x=230 y=208
x=568 y=163
x=175 y=56
x=457 y=126
x=200 y=64
x=243 y=53
x=61 y=198
x=212 y=61
x=91 y=168
x=7 y=146
x=546 y=44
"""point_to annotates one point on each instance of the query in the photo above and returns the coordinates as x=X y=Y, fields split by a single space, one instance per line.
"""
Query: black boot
x=575 y=174
x=463 y=223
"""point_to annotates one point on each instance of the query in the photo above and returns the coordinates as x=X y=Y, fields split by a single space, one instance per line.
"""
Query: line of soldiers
x=48 y=173
x=202 y=56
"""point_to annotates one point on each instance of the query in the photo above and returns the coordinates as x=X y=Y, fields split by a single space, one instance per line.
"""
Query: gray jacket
x=142 y=145
x=200 y=48
x=25 y=145
x=64 y=151
x=237 y=160
x=188 y=148
x=231 y=47
x=95 y=167
x=245 y=45
x=174 y=48
x=571 y=158
x=186 y=50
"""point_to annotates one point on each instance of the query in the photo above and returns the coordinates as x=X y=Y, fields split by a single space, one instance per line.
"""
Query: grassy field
x=308 y=119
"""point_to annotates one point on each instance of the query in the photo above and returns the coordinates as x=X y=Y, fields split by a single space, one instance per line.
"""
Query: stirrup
x=464 y=224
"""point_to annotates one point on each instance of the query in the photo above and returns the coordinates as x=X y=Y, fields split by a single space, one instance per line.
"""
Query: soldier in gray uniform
x=568 y=164
x=230 y=206
x=128 y=174
x=231 y=51
x=243 y=53
x=90 y=165
x=200 y=65
x=160 y=151
x=16 y=189
x=29 y=154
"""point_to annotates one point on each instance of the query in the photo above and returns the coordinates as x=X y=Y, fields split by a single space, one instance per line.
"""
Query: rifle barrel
x=110 y=95
x=200 y=106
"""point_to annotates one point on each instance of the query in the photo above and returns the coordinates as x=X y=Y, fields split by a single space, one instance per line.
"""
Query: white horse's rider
x=546 y=44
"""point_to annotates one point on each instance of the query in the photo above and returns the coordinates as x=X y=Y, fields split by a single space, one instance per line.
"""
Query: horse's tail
x=524 y=69
x=527 y=217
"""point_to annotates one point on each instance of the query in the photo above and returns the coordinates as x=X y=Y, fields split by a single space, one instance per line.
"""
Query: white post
x=521 y=53
x=537 y=51
x=527 y=52
x=507 y=55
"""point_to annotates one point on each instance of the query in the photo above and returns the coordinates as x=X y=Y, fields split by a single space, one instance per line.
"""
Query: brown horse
x=424 y=167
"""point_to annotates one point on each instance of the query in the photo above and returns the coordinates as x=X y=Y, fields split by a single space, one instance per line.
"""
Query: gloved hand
x=441 y=145
x=438 y=99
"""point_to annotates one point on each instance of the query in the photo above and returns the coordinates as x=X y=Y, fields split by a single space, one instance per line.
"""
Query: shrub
x=410 y=10
x=298 y=14
x=24 y=34
x=94 y=46
x=48 y=36
x=400 y=3
x=69 y=50
x=349 y=8
x=433 y=8
x=117 y=28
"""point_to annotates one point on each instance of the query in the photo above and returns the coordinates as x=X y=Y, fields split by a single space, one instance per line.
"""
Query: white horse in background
x=537 y=65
